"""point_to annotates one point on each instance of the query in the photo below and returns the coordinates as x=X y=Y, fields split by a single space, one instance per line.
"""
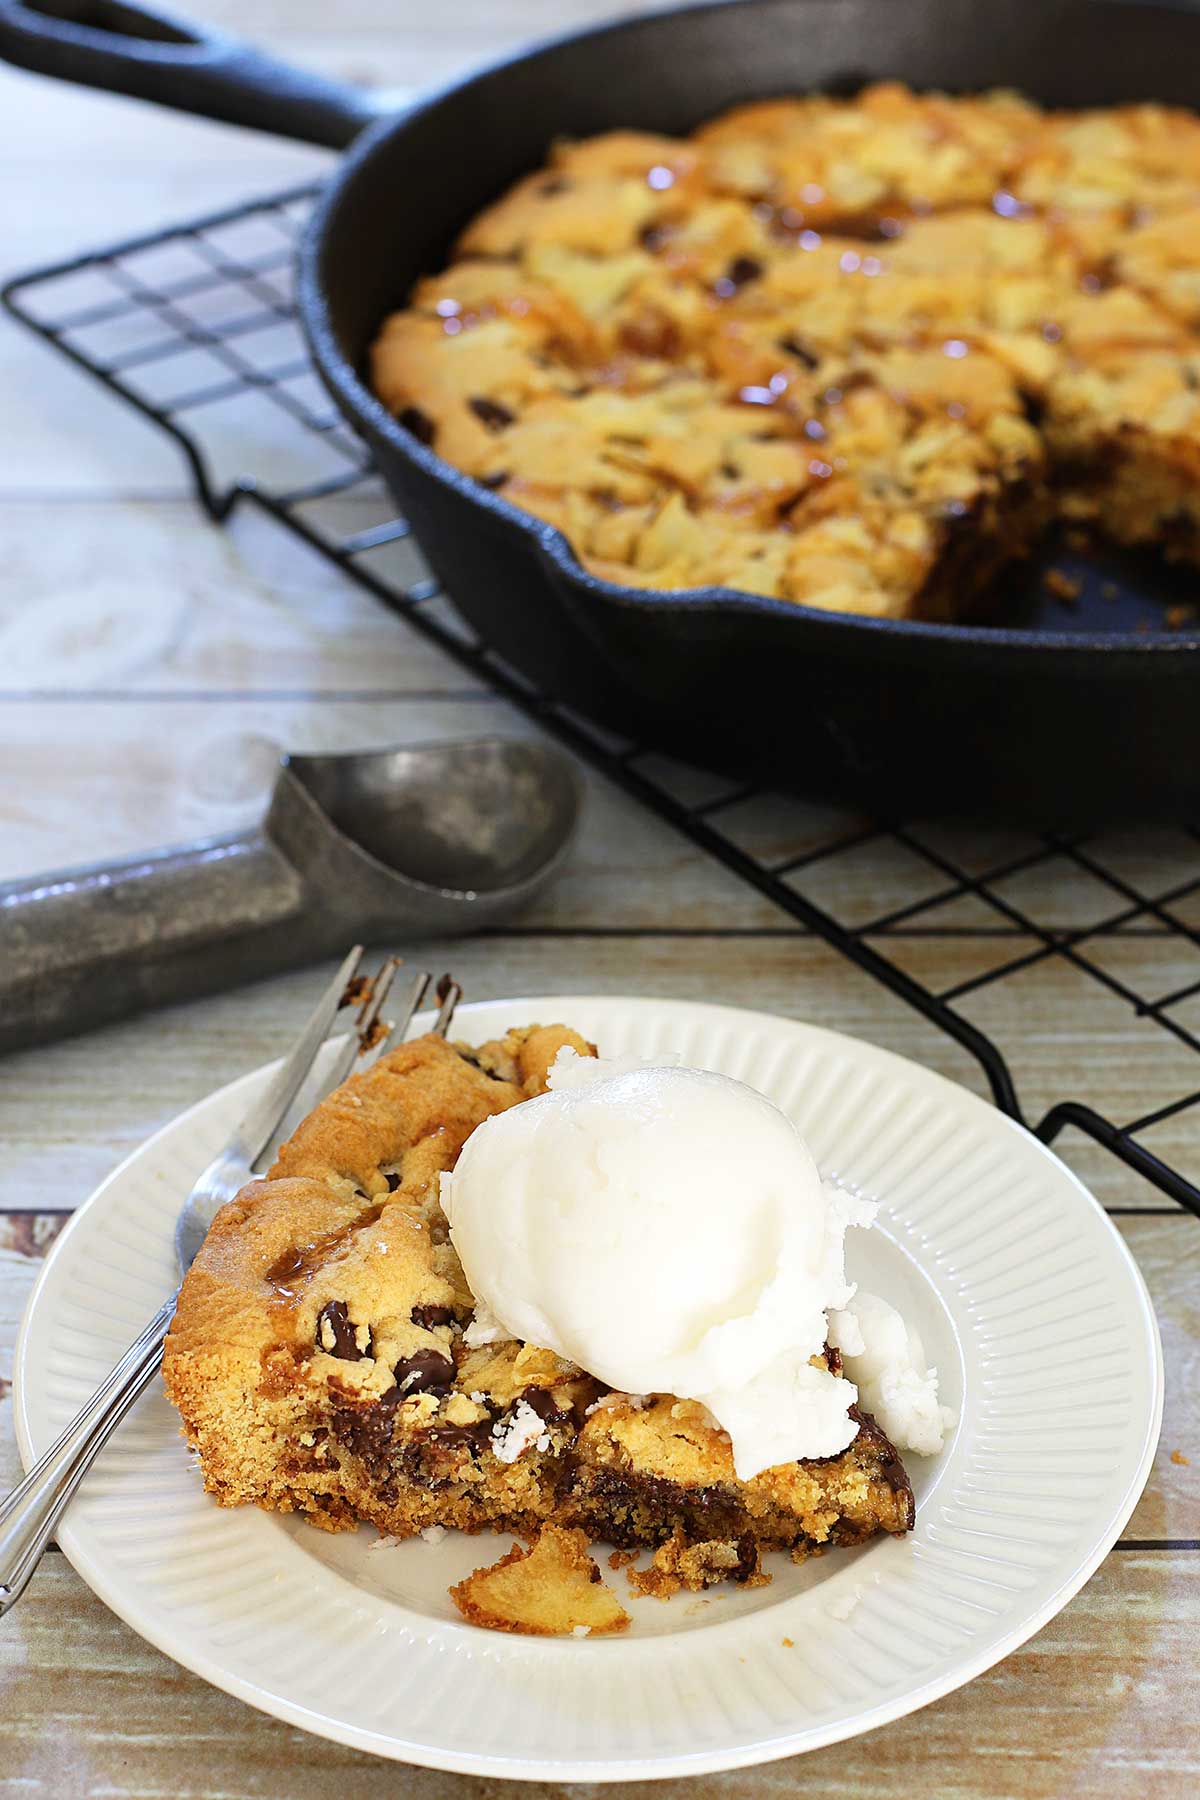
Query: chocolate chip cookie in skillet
x=852 y=353
x=329 y=1357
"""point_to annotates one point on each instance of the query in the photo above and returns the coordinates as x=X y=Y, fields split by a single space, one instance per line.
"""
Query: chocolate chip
x=288 y=1268
x=475 y=1063
x=490 y=412
x=424 y=1372
x=475 y=1437
x=494 y=481
x=542 y=1402
x=345 y=1343
x=800 y=351
x=556 y=185
x=612 y=1500
x=653 y=237
x=747 y=1562
x=872 y=1440
x=430 y=1316
x=368 y=1430
x=741 y=270
x=419 y=423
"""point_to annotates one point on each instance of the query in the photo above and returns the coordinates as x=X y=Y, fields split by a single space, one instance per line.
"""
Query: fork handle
x=30 y=1513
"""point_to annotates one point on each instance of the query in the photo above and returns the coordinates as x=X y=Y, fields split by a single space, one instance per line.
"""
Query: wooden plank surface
x=151 y=668
x=1087 y=1709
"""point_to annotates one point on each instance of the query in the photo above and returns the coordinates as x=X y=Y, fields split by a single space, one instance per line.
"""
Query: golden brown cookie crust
x=320 y=1361
x=850 y=353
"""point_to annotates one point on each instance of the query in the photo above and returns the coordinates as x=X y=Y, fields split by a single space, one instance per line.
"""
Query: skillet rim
x=1099 y=650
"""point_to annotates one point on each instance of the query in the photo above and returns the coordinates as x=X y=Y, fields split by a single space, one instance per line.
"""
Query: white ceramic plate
x=1024 y=1294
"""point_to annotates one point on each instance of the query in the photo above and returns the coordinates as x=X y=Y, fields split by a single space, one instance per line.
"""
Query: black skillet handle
x=153 y=56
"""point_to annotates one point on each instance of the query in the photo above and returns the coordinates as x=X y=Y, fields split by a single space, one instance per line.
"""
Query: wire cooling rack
x=195 y=327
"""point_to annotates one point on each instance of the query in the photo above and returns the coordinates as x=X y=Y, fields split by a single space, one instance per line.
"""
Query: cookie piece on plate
x=551 y=1590
x=327 y=1359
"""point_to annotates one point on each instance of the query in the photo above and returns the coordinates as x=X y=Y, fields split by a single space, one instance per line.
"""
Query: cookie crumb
x=680 y=1564
x=1184 y=1462
x=787 y=1643
x=551 y=1590
x=1064 y=587
x=843 y=1605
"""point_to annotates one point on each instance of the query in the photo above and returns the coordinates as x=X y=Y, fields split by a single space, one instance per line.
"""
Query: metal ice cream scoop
x=424 y=840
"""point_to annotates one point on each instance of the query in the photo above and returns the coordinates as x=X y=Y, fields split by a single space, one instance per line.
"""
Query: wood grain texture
x=151 y=668
x=1090 y=1707
x=112 y=1088
x=145 y=598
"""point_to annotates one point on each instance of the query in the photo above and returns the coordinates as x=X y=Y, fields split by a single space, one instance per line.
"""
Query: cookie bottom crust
x=343 y=1466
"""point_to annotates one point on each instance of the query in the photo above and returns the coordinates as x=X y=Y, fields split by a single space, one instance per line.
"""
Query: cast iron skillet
x=1065 y=719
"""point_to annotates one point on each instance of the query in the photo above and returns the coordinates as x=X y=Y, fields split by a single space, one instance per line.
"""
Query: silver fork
x=30 y=1513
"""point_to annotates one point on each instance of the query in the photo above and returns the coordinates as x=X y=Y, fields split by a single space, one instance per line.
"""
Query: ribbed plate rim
x=87 y=1557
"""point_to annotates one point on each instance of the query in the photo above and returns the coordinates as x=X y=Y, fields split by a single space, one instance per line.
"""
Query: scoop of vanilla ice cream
x=885 y=1359
x=666 y=1229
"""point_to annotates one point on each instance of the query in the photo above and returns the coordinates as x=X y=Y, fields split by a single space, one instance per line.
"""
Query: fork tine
x=262 y=1120
x=398 y=1031
x=368 y=1024
x=360 y=1039
x=449 y=993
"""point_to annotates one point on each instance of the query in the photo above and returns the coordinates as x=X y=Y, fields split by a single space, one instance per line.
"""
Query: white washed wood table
x=151 y=666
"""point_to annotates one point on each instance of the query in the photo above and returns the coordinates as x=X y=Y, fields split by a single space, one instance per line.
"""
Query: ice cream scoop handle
x=84 y=946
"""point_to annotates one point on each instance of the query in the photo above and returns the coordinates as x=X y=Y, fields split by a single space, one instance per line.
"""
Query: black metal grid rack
x=194 y=326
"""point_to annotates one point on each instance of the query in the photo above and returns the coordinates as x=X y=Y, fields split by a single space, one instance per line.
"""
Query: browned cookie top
x=337 y=1267
x=795 y=351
